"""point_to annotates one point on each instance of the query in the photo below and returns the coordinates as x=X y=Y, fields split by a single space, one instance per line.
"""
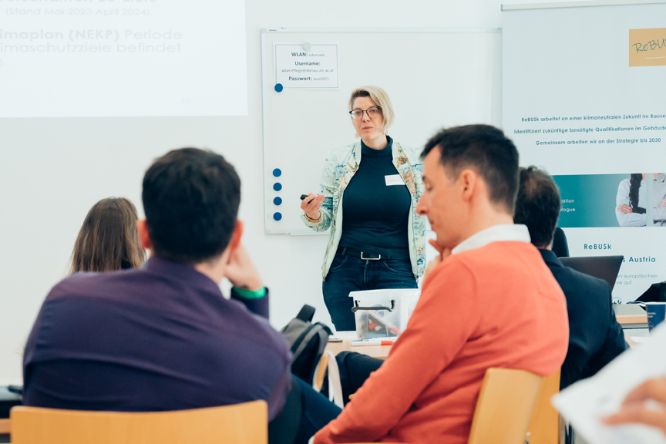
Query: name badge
x=393 y=179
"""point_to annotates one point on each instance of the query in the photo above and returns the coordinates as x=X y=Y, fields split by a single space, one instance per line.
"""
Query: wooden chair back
x=504 y=406
x=544 y=427
x=245 y=423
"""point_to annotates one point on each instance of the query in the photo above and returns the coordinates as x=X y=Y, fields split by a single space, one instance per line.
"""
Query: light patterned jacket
x=339 y=168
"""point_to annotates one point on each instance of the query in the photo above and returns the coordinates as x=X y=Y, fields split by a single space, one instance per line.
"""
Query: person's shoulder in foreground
x=163 y=337
x=595 y=337
x=487 y=301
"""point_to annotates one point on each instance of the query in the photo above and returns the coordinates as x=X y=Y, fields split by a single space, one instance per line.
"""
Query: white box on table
x=383 y=313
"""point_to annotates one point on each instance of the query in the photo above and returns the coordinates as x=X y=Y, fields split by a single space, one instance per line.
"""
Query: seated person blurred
x=595 y=337
x=163 y=337
x=487 y=301
x=108 y=239
x=645 y=404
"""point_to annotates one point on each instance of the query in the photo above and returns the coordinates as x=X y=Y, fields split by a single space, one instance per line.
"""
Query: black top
x=161 y=337
x=595 y=337
x=376 y=204
x=560 y=245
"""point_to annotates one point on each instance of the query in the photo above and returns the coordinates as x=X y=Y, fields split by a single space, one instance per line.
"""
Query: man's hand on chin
x=241 y=272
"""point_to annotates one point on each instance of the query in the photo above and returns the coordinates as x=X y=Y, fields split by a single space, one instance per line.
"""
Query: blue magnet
x=278 y=87
x=277 y=200
x=277 y=172
x=277 y=186
x=277 y=216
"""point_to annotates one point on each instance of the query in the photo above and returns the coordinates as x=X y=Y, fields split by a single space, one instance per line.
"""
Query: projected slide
x=587 y=101
x=67 y=58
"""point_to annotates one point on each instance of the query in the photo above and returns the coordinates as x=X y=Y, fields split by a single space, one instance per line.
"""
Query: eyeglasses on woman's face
x=372 y=112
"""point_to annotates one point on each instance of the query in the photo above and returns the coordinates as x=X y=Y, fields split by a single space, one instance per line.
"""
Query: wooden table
x=633 y=320
x=629 y=316
x=373 y=349
x=627 y=320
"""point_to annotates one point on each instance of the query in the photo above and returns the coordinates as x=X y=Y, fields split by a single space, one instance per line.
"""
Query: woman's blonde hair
x=381 y=99
x=108 y=239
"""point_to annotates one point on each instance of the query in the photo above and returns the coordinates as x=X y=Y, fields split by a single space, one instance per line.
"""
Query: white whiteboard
x=435 y=78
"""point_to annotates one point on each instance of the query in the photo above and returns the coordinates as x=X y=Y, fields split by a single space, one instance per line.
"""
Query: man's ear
x=236 y=235
x=468 y=182
x=144 y=234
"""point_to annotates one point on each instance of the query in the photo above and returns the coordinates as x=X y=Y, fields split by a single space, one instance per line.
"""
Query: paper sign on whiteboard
x=306 y=66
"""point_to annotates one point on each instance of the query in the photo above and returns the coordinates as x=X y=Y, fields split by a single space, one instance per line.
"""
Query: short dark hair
x=191 y=198
x=485 y=149
x=537 y=205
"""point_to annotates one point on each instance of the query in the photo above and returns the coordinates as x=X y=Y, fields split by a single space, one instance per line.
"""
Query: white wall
x=53 y=170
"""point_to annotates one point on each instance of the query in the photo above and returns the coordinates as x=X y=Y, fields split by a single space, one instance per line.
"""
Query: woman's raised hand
x=311 y=205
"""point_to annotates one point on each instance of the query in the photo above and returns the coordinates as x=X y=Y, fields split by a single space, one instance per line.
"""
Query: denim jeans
x=349 y=272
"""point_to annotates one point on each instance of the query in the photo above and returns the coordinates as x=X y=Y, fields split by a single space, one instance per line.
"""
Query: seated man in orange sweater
x=487 y=301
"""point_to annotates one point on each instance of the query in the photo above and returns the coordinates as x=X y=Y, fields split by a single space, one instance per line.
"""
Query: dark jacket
x=161 y=337
x=595 y=337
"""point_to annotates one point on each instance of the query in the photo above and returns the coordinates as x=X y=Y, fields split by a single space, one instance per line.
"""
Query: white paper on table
x=584 y=403
x=639 y=339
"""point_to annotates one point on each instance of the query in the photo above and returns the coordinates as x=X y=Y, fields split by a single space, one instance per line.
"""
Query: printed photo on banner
x=612 y=200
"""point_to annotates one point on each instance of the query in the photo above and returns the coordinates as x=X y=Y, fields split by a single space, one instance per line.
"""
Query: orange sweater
x=494 y=306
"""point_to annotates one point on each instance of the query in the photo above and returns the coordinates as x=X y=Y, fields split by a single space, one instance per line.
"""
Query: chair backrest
x=245 y=423
x=544 y=426
x=328 y=366
x=504 y=406
x=320 y=372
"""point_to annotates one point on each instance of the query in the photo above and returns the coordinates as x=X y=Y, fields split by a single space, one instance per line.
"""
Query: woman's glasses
x=372 y=112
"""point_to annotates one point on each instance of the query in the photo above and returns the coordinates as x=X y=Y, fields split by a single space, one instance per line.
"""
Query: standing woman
x=375 y=183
